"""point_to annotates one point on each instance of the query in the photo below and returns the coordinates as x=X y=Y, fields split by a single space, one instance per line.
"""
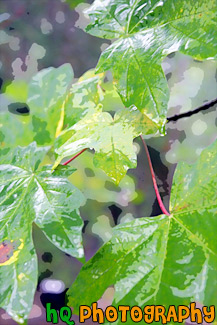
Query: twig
x=160 y=202
x=196 y=110
x=78 y=154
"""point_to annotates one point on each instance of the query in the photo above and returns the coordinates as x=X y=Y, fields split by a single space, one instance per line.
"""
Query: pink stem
x=154 y=180
x=78 y=154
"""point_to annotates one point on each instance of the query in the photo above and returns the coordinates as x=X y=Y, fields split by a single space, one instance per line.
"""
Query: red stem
x=78 y=154
x=164 y=210
x=152 y=175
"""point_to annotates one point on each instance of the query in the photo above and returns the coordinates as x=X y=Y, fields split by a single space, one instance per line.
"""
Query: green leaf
x=83 y=95
x=32 y=194
x=73 y=3
x=111 y=138
x=14 y=130
x=46 y=93
x=17 y=90
x=146 y=32
x=162 y=260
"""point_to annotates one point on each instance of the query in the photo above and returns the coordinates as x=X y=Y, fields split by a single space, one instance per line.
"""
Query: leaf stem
x=78 y=154
x=160 y=202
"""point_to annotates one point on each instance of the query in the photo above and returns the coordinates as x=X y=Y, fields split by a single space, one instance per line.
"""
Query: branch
x=78 y=154
x=160 y=202
x=196 y=110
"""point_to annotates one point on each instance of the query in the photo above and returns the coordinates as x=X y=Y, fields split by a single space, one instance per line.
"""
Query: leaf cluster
x=162 y=260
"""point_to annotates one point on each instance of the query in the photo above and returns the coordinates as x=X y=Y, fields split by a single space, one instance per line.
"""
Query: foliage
x=162 y=260
x=166 y=259
x=30 y=193
x=147 y=32
x=44 y=96
x=112 y=139
x=74 y=3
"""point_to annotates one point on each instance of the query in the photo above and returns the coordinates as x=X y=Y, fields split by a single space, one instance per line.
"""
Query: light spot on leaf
x=21 y=276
